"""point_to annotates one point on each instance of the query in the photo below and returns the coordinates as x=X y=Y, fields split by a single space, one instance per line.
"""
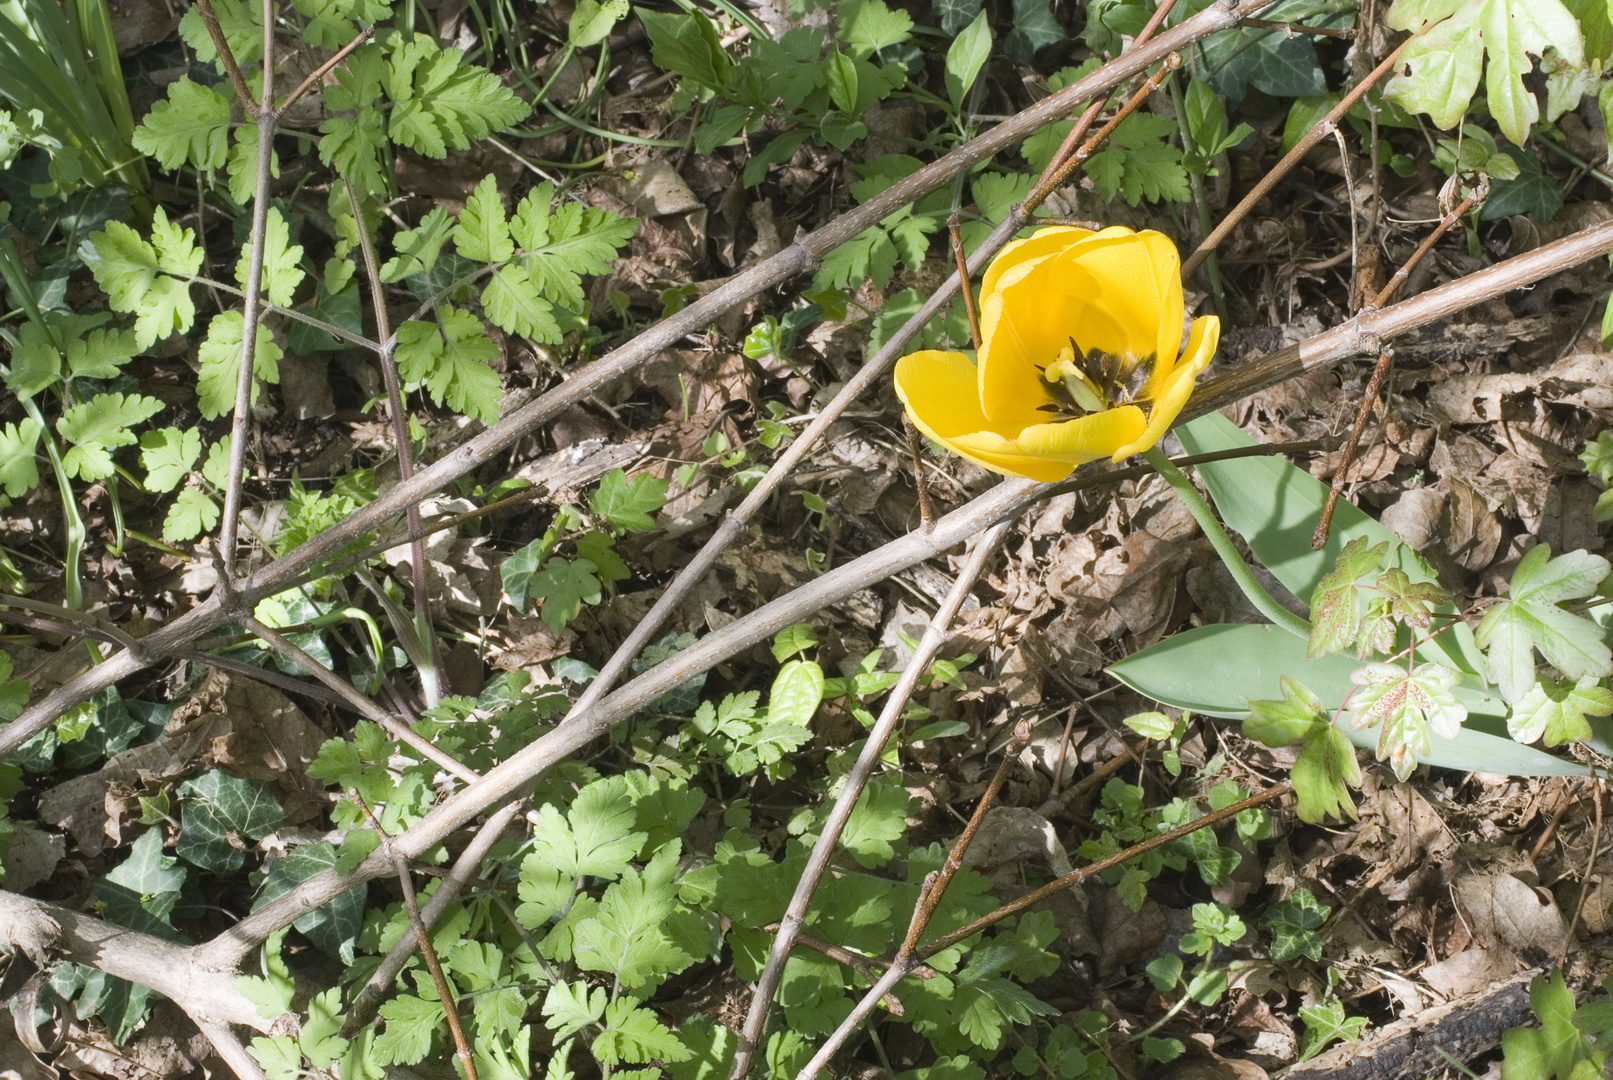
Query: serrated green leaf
x=565 y=586
x=352 y=146
x=241 y=169
x=440 y=102
x=512 y=302
x=1323 y=775
x=97 y=427
x=633 y=1034
x=867 y=26
x=562 y=244
x=877 y=821
x=689 y=45
x=570 y=1007
x=482 y=232
x=220 y=358
x=1530 y=619
x=19 y=472
x=1406 y=705
x=1281 y=723
x=410 y=1024
x=417 y=248
x=168 y=455
x=191 y=126
x=592 y=20
x=452 y=363
x=281 y=274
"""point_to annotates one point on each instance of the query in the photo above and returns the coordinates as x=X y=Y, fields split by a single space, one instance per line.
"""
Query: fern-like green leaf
x=451 y=363
x=192 y=125
x=281 y=274
x=483 y=233
x=513 y=303
x=220 y=357
x=97 y=427
x=19 y=472
x=565 y=243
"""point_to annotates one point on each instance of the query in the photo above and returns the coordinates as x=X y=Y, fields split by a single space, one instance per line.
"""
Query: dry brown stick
x=1316 y=134
x=801 y=255
x=936 y=883
x=1344 y=32
x=1590 y=868
x=431 y=675
x=324 y=69
x=358 y=702
x=49 y=932
x=1369 y=396
x=920 y=485
x=464 y=870
x=428 y=952
x=846 y=801
x=1075 y=877
x=1324 y=523
x=965 y=289
x=226 y=57
x=251 y=311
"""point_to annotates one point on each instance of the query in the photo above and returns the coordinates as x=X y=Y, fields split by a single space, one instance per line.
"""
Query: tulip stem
x=1258 y=596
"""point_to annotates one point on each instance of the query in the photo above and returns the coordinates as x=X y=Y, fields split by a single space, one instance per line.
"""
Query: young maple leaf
x=1407 y=704
x=1411 y=602
x=1557 y=710
x=1530 y=618
x=1335 y=617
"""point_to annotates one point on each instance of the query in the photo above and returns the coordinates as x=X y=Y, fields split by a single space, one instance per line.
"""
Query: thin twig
x=422 y=934
x=1075 y=877
x=324 y=69
x=230 y=1050
x=856 y=780
x=1380 y=371
x=1316 y=134
x=358 y=702
x=961 y=263
x=250 y=312
x=1343 y=32
x=226 y=57
x=431 y=673
x=464 y=870
x=935 y=885
x=1590 y=868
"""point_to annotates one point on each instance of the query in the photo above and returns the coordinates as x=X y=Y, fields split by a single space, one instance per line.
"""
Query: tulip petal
x=1177 y=386
x=938 y=389
x=1042 y=243
x=1049 y=452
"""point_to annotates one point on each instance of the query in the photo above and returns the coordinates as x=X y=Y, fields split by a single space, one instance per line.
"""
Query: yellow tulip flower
x=1080 y=356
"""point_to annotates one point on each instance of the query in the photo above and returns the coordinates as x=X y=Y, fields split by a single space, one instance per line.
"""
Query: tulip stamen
x=1094 y=380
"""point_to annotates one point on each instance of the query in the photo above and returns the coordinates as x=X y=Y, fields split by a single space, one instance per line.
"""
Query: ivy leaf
x=281 y=274
x=599 y=549
x=1557 y=710
x=192 y=125
x=19 y=472
x=99 y=426
x=1035 y=29
x=452 y=362
x=954 y=15
x=627 y=504
x=168 y=455
x=216 y=808
x=1293 y=924
x=1335 y=615
x=220 y=358
x=141 y=891
x=1326 y=1023
x=482 y=232
x=1445 y=61
x=1407 y=705
x=1530 y=619
x=1557 y=1046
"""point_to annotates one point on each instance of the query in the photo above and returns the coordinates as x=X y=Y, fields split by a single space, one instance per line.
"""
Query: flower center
x=1089 y=381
